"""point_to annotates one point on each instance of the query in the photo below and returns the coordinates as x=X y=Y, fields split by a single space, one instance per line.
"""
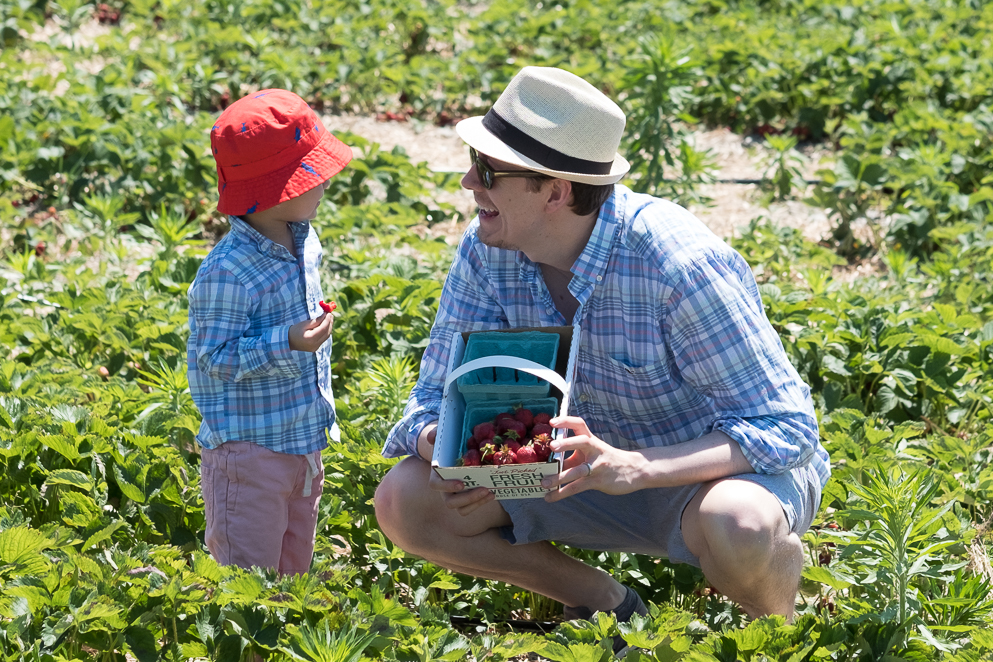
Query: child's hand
x=307 y=336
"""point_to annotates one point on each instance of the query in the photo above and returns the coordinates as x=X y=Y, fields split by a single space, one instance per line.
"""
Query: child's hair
x=271 y=147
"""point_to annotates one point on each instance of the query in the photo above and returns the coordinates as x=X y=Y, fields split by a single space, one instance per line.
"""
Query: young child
x=259 y=350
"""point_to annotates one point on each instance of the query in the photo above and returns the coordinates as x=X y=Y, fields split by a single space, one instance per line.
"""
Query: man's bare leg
x=416 y=519
x=740 y=534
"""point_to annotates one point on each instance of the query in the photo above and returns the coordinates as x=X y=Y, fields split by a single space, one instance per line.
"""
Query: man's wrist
x=425 y=449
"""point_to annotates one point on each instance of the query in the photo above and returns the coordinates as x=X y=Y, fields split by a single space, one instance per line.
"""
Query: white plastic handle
x=515 y=362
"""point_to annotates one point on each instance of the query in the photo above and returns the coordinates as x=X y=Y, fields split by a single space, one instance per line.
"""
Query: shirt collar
x=265 y=245
x=591 y=265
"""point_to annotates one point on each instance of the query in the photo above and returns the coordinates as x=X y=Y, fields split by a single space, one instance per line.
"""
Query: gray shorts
x=647 y=521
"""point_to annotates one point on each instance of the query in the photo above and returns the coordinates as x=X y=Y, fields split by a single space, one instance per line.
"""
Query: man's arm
x=466 y=304
x=724 y=346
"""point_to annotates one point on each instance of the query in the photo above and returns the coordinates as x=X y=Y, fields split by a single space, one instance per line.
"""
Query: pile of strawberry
x=511 y=438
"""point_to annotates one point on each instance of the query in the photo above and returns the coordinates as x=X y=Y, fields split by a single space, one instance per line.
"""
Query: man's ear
x=559 y=195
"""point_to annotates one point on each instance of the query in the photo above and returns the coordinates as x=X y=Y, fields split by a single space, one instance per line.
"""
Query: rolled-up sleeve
x=221 y=306
x=725 y=347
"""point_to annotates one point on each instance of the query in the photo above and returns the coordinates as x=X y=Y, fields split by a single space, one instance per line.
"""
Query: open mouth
x=487 y=213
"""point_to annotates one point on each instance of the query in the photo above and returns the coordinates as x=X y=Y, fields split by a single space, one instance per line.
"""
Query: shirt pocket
x=636 y=391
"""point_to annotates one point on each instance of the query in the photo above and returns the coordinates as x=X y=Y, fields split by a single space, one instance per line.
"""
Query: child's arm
x=220 y=308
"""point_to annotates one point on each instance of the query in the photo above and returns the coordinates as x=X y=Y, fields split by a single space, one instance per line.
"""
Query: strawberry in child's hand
x=328 y=307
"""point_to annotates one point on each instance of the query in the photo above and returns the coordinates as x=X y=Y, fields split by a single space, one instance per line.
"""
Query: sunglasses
x=488 y=175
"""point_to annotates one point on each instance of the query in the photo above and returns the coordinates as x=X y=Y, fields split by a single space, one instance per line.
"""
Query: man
x=692 y=436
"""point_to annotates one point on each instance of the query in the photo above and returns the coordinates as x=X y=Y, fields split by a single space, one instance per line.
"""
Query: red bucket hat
x=271 y=147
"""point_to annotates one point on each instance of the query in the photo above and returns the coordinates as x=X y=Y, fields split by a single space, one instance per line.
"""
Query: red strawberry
x=524 y=416
x=472 y=443
x=513 y=445
x=490 y=445
x=514 y=425
x=328 y=307
x=541 y=428
x=472 y=458
x=486 y=454
x=505 y=416
x=504 y=456
x=526 y=455
x=542 y=448
x=542 y=418
x=484 y=431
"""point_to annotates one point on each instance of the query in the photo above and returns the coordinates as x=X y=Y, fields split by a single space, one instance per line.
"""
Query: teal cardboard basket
x=500 y=383
x=480 y=412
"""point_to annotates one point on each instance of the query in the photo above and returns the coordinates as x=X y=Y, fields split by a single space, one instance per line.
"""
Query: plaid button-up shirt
x=674 y=340
x=247 y=382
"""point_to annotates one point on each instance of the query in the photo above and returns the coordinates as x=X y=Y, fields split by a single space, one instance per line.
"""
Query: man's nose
x=471 y=180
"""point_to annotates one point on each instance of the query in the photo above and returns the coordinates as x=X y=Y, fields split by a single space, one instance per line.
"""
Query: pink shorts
x=258 y=508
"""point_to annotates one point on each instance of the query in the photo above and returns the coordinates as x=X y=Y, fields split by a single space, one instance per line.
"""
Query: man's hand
x=593 y=465
x=309 y=335
x=455 y=498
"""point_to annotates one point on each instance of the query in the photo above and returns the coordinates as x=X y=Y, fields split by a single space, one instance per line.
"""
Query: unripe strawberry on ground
x=472 y=458
x=526 y=455
x=542 y=418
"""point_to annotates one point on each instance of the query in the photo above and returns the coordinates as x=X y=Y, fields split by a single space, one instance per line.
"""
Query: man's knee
x=392 y=501
x=734 y=519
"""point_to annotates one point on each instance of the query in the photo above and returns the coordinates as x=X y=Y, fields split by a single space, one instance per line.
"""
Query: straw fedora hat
x=553 y=122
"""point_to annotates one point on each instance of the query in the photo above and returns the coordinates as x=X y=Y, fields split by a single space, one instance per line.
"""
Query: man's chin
x=495 y=242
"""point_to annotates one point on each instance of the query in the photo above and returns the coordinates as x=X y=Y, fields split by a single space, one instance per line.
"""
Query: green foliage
x=106 y=195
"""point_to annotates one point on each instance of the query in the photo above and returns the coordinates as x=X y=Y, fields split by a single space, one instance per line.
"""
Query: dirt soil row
x=737 y=157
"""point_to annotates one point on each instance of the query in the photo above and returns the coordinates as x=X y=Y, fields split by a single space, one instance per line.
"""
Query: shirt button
x=584 y=398
x=549 y=311
x=599 y=278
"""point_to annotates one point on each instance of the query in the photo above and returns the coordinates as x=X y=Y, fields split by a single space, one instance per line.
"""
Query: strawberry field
x=107 y=193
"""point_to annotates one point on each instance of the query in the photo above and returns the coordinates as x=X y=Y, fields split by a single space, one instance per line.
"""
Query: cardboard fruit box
x=509 y=481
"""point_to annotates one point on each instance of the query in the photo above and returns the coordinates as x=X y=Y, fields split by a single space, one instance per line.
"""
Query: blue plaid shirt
x=247 y=382
x=674 y=340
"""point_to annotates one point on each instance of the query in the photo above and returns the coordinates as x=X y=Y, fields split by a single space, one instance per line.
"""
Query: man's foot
x=631 y=603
